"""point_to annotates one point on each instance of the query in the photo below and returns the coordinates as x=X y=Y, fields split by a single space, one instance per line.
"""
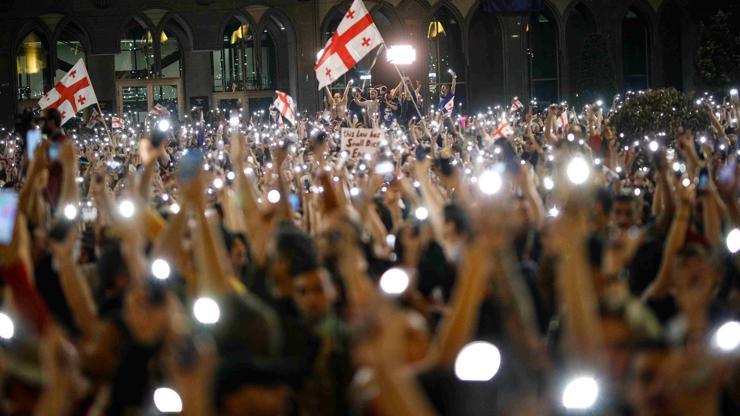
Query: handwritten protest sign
x=358 y=142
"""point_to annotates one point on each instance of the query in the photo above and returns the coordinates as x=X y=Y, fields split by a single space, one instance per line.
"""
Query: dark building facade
x=230 y=53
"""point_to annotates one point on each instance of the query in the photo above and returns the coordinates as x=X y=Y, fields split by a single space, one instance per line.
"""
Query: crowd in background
x=518 y=261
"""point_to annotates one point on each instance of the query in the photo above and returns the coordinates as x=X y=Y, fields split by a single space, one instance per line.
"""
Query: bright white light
x=206 y=310
x=70 y=212
x=733 y=241
x=733 y=91
x=163 y=125
x=230 y=176
x=599 y=103
x=637 y=191
x=477 y=361
x=548 y=183
x=394 y=281
x=160 y=269
x=167 y=400
x=354 y=191
x=7 y=329
x=126 y=208
x=686 y=182
x=571 y=137
x=553 y=212
x=421 y=213
x=578 y=171
x=273 y=196
x=653 y=146
x=218 y=183
x=580 y=393
x=234 y=121
x=401 y=54
x=727 y=337
x=490 y=182
x=676 y=166
x=175 y=208
x=390 y=240
x=384 y=168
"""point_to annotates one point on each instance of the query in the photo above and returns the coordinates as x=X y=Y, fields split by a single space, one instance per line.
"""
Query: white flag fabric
x=503 y=130
x=285 y=105
x=449 y=106
x=116 y=123
x=95 y=118
x=355 y=37
x=562 y=121
x=73 y=93
x=515 y=105
x=160 y=110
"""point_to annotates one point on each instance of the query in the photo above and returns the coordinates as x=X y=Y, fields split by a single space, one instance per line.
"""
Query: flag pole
x=406 y=87
x=102 y=116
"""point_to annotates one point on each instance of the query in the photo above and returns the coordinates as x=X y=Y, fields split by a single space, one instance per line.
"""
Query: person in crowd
x=454 y=266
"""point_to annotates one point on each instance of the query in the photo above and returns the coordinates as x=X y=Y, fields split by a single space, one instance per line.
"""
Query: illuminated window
x=31 y=63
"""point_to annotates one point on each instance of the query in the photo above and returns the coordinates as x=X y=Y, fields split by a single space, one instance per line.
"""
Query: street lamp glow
x=394 y=281
x=580 y=393
x=401 y=54
x=167 y=400
x=206 y=311
x=477 y=361
x=578 y=171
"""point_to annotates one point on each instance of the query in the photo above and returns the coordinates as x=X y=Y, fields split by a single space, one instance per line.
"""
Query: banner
x=358 y=142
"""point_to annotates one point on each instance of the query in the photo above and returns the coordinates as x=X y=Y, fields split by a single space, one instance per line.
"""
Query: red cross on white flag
x=562 y=121
x=503 y=130
x=116 y=123
x=285 y=105
x=73 y=93
x=515 y=105
x=449 y=106
x=355 y=37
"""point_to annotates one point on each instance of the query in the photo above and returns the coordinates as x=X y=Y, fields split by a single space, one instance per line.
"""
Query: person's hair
x=605 y=199
x=625 y=199
x=297 y=248
x=54 y=114
x=455 y=214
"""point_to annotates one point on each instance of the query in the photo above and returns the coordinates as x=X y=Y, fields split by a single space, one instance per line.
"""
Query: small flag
x=116 y=123
x=503 y=130
x=285 y=105
x=515 y=105
x=449 y=106
x=563 y=121
x=95 y=118
x=73 y=93
x=355 y=37
x=160 y=110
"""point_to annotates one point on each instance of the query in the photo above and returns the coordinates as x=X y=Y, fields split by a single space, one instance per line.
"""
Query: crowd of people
x=517 y=261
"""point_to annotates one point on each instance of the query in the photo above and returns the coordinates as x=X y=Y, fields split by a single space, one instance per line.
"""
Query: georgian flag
x=355 y=37
x=285 y=105
x=449 y=106
x=562 y=121
x=503 y=130
x=515 y=105
x=160 y=110
x=116 y=123
x=95 y=118
x=73 y=93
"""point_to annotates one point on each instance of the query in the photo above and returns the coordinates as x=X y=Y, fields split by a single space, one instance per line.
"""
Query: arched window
x=170 y=55
x=136 y=59
x=31 y=63
x=486 y=64
x=543 y=56
x=233 y=64
x=268 y=61
x=672 y=26
x=69 y=50
x=580 y=26
x=444 y=34
x=635 y=51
